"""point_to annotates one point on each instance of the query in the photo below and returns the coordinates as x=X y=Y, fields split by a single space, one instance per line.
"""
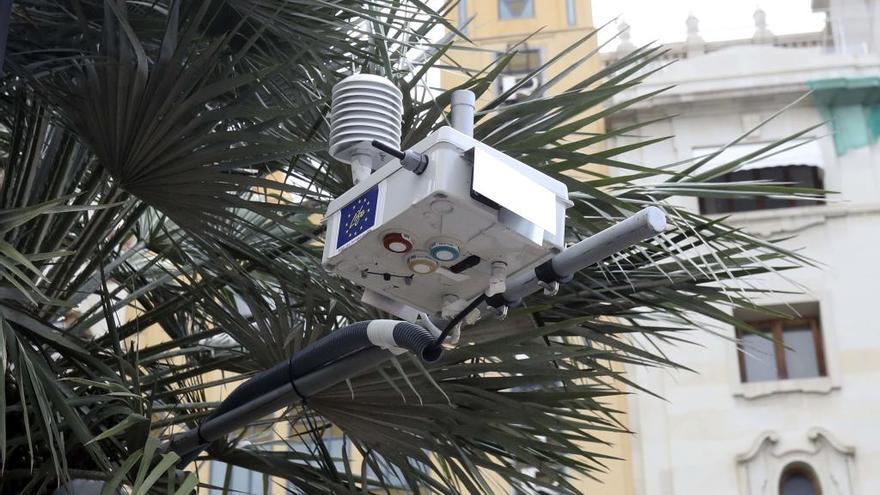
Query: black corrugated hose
x=332 y=347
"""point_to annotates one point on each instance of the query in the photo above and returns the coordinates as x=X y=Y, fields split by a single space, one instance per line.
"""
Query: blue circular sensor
x=444 y=251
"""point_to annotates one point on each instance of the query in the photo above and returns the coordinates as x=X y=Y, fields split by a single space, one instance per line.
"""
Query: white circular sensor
x=421 y=264
x=445 y=256
x=422 y=268
x=444 y=251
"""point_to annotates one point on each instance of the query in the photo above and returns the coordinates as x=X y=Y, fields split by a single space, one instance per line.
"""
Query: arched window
x=799 y=479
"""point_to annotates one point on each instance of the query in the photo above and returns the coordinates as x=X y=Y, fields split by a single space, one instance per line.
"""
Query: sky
x=664 y=20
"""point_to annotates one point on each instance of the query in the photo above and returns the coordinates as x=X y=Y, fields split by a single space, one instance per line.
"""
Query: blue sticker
x=358 y=217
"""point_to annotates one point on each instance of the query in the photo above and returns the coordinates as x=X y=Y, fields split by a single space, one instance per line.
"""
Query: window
x=799 y=479
x=799 y=163
x=536 y=488
x=570 y=12
x=337 y=451
x=462 y=14
x=796 y=175
x=523 y=62
x=235 y=479
x=516 y=9
x=784 y=349
x=391 y=476
x=335 y=445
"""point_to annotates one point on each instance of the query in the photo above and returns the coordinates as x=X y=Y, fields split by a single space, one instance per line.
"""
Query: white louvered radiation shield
x=365 y=108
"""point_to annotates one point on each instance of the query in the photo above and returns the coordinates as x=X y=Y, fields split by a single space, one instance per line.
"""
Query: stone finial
x=693 y=26
x=762 y=34
x=694 y=41
x=626 y=45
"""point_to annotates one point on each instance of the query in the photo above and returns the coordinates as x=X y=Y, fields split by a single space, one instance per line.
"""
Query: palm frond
x=162 y=165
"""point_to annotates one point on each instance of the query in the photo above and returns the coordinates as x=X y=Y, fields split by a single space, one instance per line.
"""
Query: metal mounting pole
x=463 y=105
x=622 y=235
x=319 y=380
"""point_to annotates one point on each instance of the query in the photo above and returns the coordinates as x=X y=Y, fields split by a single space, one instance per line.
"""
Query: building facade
x=540 y=30
x=796 y=413
x=494 y=26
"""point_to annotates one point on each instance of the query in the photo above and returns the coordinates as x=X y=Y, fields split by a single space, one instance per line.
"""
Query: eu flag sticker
x=357 y=217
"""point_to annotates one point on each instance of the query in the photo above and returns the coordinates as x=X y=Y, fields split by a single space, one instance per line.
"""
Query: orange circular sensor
x=421 y=263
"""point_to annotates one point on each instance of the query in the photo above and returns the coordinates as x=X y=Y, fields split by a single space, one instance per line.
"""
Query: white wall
x=713 y=434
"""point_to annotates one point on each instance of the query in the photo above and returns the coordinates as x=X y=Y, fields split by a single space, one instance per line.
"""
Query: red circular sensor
x=397 y=242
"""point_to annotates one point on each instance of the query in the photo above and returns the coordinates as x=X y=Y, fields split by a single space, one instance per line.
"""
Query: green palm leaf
x=162 y=163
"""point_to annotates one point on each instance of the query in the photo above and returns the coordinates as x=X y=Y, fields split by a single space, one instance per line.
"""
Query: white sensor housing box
x=419 y=242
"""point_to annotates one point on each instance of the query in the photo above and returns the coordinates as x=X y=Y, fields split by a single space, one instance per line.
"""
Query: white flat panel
x=503 y=184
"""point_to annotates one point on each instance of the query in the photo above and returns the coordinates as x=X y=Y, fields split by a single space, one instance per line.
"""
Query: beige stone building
x=540 y=30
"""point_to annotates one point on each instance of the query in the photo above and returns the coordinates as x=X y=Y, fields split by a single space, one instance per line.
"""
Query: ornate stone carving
x=760 y=467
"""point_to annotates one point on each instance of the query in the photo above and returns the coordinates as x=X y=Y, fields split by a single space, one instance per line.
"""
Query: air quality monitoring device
x=451 y=219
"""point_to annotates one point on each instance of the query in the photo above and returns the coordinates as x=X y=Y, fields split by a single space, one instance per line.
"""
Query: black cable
x=388 y=149
x=411 y=160
x=291 y=377
x=457 y=319
x=329 y=348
